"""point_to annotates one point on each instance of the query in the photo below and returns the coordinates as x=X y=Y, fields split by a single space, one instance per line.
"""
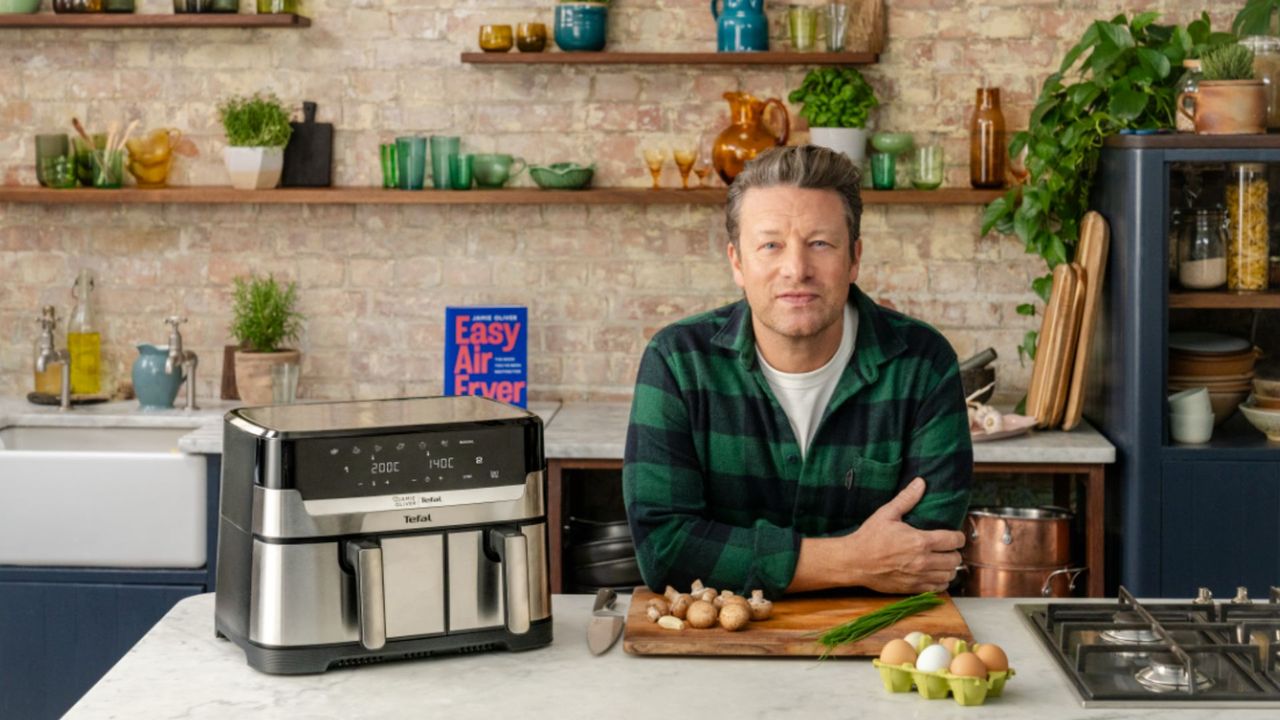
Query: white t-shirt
x=804 y=396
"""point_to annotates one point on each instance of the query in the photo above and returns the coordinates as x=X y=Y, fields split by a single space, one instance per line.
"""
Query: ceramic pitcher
x=155 y=388
x=747 y=136
x=741 y=26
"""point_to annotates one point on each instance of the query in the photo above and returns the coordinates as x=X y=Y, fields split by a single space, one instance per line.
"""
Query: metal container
x=1012 y=537
x=995 y=581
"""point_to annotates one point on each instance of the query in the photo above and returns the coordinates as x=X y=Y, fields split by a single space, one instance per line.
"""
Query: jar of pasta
x=1248 y=226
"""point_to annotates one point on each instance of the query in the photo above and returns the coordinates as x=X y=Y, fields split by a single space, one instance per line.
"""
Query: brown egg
x=992 y=656
x=898 y=652
x=968 y=665
x=949 y=643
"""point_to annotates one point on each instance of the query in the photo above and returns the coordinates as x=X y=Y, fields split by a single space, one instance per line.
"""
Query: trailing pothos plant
x=1120 y=76
x=1255 y=18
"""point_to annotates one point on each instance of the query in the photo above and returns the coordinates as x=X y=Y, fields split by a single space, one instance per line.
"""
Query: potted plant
x=581 y=25
x=257 y=130
x=836 y=102
x=264 y=317
x=1228 y=101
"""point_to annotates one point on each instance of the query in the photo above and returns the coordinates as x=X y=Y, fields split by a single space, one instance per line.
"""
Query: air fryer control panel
x=424 y=462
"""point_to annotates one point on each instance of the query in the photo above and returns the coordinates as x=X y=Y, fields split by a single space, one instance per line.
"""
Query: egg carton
x=938 y=684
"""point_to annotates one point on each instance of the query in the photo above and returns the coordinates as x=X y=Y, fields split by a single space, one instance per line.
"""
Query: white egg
x=933 y=658
x=917 y=640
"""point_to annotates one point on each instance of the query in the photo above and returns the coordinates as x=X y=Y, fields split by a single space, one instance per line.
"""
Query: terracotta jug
x=747 y=136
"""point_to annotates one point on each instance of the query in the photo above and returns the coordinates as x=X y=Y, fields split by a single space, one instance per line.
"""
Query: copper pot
x=1227 y=107
x=1018 y=537
x=993 y=581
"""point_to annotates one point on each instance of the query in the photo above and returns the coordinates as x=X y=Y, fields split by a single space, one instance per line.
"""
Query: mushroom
x=761 y=608
x=728 y=597
x=653 y=613
x=734 y=616
x=680 y=605
x=701 y=614
x=702 y=592
x=661 y=604
x=670 y=594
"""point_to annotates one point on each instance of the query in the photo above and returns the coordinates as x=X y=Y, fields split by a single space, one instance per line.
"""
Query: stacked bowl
x=1263 y=407
x=1222 y=364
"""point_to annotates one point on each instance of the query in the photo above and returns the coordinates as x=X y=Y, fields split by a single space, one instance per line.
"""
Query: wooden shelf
x=511 y=196
x=1225 y=300
x=134 y=20
x=1191 y=141
x=656 y=58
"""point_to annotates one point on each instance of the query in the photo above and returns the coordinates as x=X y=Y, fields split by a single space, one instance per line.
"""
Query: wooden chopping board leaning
x=1056 y=395
x=792 y=630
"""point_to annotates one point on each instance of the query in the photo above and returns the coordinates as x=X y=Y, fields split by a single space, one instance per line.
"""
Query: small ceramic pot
x=1227 y=107
x=581 y=27
x=850 y=141
x=155 y=388
x=254 y=168
x=494 y=170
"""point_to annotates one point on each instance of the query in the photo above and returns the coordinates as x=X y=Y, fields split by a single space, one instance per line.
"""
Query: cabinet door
x=1220 y=528
x=58 y=639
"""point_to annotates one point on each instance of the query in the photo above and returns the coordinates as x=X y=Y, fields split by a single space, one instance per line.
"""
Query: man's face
x=793 y=260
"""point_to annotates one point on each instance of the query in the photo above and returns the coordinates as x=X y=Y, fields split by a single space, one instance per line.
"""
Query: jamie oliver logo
x=419 y=518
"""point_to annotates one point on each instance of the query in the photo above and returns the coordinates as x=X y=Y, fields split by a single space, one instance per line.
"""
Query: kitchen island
x=180 y=670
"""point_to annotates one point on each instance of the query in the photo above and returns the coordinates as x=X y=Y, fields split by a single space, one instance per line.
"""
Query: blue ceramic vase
x=741 y=26
x=155 y=388
x=581 y=26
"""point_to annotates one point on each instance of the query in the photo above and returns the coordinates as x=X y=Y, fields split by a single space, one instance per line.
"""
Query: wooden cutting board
x=1051 y=350
x=1071 y=329
x=791 y=631
x=1091 y=254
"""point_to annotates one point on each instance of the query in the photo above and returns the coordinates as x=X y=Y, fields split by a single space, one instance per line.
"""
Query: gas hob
x=1199 y=653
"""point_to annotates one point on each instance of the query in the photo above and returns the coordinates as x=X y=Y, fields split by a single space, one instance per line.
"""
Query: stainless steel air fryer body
x=374 y=530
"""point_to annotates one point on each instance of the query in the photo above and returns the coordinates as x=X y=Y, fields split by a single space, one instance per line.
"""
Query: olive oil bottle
x=84 y=343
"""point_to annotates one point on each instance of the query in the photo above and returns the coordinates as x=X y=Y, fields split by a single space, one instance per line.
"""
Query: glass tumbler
x=802 y=27
x=443 y=149
x=836 y=16
x=927 y=171
x=411 y=157
x=460 y=171
x=884 y=168
x=108 y=169
x=390 y=165
x=284 y=383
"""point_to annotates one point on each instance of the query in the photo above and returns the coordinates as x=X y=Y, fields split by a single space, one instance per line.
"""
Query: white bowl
x=1190 y=402
x=1268 y=421
x=1192 y=429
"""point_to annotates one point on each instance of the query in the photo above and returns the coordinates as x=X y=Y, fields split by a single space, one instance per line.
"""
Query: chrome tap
x=48 y=354
x=183 y=361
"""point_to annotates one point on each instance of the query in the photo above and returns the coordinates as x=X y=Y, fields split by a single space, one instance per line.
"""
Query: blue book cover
x=486 y=352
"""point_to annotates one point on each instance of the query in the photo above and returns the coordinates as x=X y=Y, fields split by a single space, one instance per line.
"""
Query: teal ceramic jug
x=155 y=388
x=741 y=26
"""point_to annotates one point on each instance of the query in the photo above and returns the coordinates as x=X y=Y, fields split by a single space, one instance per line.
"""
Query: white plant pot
x=254 y=168
x=850 y=141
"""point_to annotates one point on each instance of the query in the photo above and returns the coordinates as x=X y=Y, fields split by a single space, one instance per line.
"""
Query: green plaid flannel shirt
x=714 y=482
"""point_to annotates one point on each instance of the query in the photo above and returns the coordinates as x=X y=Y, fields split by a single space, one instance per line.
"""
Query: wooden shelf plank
x=667 y=58
x=1226 y=300
x=135 y=20
x=1192 y=141
x=510 y=196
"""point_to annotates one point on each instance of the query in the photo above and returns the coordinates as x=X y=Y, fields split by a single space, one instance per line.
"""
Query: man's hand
x=893 y=557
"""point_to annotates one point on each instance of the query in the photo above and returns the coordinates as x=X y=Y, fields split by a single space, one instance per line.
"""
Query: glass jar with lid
x=1266 y=67
x=1248 y=226
x=1202 y=250
x=1189 y=83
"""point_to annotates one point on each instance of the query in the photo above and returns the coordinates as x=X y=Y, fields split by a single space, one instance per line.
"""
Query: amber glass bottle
x=986 y=141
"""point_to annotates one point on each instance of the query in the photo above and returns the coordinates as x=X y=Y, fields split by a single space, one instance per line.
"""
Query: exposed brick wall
x=375 y=280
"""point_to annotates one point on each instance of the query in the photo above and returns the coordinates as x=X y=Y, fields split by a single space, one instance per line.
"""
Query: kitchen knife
x=606 y=623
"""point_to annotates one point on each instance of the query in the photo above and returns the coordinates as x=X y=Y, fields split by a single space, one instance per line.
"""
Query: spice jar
x=1187 y=87
x=1202 y=251
x=1266 y=67
x=986 y=141
x=1247 y=222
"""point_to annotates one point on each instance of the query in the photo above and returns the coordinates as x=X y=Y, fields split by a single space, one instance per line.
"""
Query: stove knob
x=1242 y=596
x=1203 y=597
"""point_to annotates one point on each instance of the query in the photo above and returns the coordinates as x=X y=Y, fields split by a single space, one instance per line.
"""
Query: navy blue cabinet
x=1179 y=516
x=58 y=639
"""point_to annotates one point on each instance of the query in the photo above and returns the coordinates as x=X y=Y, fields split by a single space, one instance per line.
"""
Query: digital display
x=432 y=462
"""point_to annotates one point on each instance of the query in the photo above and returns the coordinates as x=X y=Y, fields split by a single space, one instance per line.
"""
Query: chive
x=868 y=624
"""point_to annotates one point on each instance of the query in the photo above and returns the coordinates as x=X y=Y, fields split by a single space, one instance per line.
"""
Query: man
x=804 y=437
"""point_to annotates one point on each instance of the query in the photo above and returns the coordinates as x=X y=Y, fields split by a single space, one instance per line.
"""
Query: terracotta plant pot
x=1228 y=107
x=253 y=373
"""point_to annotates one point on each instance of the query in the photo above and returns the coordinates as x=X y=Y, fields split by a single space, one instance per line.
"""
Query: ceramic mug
x=494 y=170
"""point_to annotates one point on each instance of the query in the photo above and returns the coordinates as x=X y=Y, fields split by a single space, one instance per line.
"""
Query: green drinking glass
x=275 y=7
x=802 y=27
x=58 y=171
x=108 y=169
x=411 y=160
x=443 y=149
x=48 y=147
x=460 y=171
x=884 y=167
x=927 y=172
x=85 y=157
x=390 y=165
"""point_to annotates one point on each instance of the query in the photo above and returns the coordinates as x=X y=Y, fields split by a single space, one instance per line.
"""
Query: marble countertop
x=599 y=431
x=179 y=670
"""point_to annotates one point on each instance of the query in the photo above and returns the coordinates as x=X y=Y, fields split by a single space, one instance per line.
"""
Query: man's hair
x=801 y=166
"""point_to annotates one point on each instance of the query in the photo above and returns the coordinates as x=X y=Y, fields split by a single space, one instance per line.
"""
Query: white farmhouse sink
x=100 y=497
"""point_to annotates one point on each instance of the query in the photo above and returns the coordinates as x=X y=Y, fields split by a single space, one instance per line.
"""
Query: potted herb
x=1228 y=101
x=257 y=130
x=836 y=102
x=264 y=318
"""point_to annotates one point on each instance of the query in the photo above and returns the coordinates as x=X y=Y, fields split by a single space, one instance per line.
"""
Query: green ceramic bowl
x=889 y=142
x=15 y=7
x=562 y=176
